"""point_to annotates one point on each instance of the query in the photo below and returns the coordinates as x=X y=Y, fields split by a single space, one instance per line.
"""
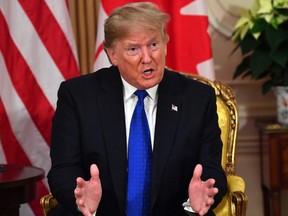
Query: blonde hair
x=132 y=17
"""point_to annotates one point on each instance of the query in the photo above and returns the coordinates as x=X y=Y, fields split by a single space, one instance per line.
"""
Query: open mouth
x=147 y=72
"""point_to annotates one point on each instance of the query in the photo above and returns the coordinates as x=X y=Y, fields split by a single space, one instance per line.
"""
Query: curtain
x=84 y=23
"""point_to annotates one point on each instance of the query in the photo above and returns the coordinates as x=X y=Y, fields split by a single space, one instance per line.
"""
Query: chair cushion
x=224 y=207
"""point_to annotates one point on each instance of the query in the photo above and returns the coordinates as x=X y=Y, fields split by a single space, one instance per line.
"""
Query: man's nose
x=146 y=56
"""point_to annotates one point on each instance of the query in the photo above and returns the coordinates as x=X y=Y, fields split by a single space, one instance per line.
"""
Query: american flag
x=189 y=47
x=37 y=52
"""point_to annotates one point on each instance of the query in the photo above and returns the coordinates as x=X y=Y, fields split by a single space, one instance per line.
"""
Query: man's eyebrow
x=132 y=43
x=155 y=37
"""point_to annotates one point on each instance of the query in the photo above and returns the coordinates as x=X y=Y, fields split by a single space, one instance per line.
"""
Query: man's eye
x=154 y=46
x=133 y=51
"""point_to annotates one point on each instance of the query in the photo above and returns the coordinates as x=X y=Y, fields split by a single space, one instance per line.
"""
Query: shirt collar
x=129 y=90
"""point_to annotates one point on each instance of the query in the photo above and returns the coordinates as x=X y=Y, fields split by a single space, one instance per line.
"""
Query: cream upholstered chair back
x=235 y=201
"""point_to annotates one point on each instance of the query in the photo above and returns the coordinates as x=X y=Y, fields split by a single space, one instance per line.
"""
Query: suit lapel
x=113 y=119
x=168 y=109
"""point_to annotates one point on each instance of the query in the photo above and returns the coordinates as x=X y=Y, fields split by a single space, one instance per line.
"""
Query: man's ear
x=112 y=56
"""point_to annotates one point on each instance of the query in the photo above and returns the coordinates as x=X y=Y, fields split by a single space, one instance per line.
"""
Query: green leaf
x=242 y=68
x=276 y=70
x=280 y=56
x=277 y=74
x=280 y=4
x=266 y=86
x=244 y=20
x=248 y=44
x=255 y=7
x=259 y=26
x=274 y=22
x=265 y=6
x=276 y=36
x=283 y=12
x=259 y=63
x=285 y=76
x=262 y=35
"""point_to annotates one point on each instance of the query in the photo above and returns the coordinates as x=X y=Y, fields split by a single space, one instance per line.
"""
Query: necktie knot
x=141 y=94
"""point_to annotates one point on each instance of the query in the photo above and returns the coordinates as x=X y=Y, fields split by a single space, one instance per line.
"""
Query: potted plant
x=262 y=35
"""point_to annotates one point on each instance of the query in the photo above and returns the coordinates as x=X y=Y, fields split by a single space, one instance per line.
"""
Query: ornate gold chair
x=48 y=202
x=235 y=201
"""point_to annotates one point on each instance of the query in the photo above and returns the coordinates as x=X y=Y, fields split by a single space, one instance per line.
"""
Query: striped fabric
x=37 y=52
x=189 y=47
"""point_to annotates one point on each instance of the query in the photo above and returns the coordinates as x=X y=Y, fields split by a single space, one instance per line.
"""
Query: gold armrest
x=236 y=187
x=235 y=183
x=240 y=201
x=48 y=202
x=235 y=201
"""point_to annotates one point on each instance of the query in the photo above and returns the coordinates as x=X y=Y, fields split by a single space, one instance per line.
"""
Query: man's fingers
x=85 y=211
x=211 y=202
x=210 y=183
x=94 y=171
x=214 y=192
x=80 y=182
x=197 y=172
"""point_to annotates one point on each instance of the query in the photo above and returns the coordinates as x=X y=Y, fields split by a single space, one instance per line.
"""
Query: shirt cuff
x=187 y=206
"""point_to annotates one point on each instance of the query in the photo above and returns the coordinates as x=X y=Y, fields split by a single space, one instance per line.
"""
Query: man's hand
x=88 y=193
x=201 y=193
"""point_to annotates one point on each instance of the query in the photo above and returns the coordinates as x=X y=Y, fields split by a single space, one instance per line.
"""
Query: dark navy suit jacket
x=89 y=127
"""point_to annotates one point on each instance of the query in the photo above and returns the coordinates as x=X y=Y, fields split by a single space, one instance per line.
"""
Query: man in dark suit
x=90 y=133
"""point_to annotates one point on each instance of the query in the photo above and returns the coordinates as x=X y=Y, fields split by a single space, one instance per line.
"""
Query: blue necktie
x=139 y=161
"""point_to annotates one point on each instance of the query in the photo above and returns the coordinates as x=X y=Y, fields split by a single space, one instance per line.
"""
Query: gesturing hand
x=88 y=193
x=201 y=193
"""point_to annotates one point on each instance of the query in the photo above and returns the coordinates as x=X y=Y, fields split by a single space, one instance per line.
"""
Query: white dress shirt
x=150 y=105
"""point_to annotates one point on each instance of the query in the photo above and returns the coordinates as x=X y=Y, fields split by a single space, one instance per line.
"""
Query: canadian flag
x=37 y=52
x=189 y=47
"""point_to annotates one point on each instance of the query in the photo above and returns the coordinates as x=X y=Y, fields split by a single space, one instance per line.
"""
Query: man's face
x=140 y=58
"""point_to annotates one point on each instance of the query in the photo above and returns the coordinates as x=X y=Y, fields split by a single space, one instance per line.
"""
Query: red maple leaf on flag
x=189 y=48
x=189 y=43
